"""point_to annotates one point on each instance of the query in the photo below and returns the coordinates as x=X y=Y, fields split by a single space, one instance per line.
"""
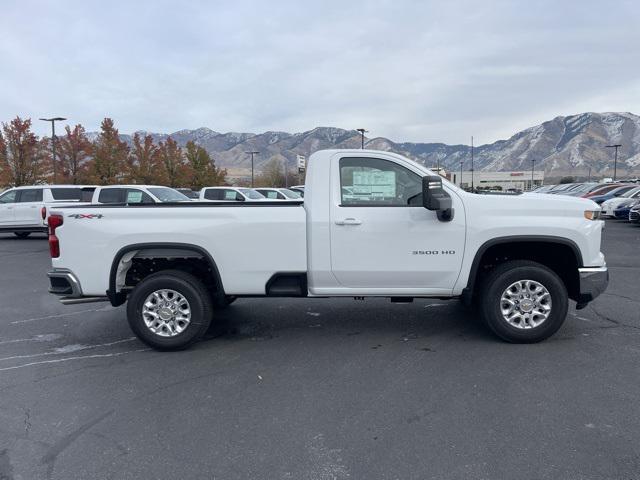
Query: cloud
x=411 y=71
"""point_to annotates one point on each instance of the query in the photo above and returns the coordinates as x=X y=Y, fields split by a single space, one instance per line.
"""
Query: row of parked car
x=25 y=210
x=618 y=199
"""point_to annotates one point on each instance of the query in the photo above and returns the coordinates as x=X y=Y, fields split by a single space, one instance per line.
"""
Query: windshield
x=252 y=194
x=290 y=193
x=585 y=187
x=166 y=194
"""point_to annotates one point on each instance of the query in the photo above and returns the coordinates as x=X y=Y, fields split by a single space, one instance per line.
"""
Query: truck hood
x=556 y=205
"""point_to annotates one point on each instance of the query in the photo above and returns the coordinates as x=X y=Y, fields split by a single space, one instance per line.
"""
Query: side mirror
x=436 y=198
x=239 y=198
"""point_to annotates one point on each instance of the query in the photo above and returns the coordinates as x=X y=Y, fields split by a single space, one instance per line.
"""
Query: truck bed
x=249 y=241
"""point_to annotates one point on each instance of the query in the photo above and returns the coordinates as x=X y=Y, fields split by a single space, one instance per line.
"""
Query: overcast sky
x=407 y=70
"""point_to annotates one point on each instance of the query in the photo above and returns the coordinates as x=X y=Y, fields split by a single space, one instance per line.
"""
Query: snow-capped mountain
x=562 y=146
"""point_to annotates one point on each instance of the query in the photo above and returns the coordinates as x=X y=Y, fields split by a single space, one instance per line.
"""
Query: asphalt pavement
x=317 y=389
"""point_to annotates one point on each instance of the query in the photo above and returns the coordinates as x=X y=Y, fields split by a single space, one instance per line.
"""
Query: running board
x=75 y=301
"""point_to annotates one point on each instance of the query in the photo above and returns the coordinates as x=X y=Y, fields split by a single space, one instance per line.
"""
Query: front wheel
x=169 y=310
x=524 y=302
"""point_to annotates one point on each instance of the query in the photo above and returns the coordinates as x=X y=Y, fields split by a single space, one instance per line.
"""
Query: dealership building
x=498 y=180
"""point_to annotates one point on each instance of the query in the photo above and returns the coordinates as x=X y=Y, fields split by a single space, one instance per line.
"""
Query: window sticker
x=375 y=184
x=229 y=195
x=134 y=196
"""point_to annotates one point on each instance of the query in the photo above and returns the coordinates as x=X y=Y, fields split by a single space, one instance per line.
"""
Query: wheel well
x=562 y=258
x=134 y=263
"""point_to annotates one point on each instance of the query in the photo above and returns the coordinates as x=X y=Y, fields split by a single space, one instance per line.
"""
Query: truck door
x=7 y=207
x=381 y=235
x=28 y=207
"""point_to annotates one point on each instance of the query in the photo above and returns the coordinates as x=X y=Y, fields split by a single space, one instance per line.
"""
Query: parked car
x=230 y=194
x=622 y=212
x=298 y=188
x=634 y=214
x=563 y=188
x=187 y=192
x=615 y=193
x=583 y=189
x=404 y=232
x=280 y=194
x=24 y=210
x=602 y=190
x=137 y=194
x=608 y=206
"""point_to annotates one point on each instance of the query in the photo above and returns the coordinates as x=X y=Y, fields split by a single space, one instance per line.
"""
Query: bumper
x=593 y=281
x=64 y=283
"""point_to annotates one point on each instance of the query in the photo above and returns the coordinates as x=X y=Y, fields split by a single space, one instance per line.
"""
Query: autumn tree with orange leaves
x=144 y=166
x=109 y=155
x=74 y=153
x=24 y=159
x=202 y=169
x=172 y=162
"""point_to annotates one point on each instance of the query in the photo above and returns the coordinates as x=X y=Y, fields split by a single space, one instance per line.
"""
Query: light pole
x=472 y=186
x=53 y=142
x=252 y=154
x=615 y=161
x=533 y=163
x=362 y=132
x=461 y=164
x=589 y=175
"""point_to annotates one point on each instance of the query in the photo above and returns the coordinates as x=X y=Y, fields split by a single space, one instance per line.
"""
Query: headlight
x=592 y=214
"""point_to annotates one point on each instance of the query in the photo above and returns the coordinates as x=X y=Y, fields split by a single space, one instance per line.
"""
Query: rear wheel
x=524 y=302
x=169 y=310
x=22 y=234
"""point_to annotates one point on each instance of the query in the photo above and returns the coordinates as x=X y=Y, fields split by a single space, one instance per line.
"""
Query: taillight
x=43 y=212
x=54 y=244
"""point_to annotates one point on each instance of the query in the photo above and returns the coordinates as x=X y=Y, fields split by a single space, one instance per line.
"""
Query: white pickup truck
x=371 y=224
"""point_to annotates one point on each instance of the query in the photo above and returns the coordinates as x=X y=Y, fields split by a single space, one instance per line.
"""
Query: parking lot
x=317 y=389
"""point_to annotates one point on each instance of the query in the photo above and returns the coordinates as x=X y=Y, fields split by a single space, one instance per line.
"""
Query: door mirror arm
x=436 y=198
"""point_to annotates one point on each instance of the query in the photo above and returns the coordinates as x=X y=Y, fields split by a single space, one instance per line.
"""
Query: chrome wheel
x=166 y=313
x=525 y=304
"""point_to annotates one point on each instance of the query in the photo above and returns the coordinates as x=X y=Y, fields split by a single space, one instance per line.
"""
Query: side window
x=30 y=195
x=369 y=182
x=230 y=195
x=66 y=193
x=111 y=195
x=281 y=197
x=212 y=194
x=9 y=197
x=269 y=193
x=138 y=196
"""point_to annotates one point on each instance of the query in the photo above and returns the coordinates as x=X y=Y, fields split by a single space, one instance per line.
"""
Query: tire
x=534 y=328
x=174 y=335
x=22 y=234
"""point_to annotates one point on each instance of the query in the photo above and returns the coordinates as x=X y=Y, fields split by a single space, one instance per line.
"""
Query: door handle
x=348 y=221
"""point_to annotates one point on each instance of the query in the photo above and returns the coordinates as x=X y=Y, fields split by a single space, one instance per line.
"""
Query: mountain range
x=566 y=145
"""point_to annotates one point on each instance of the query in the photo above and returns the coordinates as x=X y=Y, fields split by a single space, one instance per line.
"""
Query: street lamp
x=615 y=161
x=252 y=154
x=472 y=186
x=53 y=141
x=461 y=163
x=362 y=132
x=533 y=163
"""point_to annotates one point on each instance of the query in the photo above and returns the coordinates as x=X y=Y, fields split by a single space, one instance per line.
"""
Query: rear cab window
x=66 y=193
x=30 y=195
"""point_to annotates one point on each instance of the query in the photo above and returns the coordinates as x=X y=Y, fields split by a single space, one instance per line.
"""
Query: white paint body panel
x=251 y=243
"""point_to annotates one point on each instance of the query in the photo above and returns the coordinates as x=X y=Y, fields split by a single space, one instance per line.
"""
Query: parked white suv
x=131 y=194
x=24 y=210
x=230 y=194
x=280 y=194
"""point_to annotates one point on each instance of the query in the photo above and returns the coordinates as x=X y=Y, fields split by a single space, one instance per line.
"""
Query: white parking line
x=68 y=349
x=60 y=315
x=45 y=337
x=57 y=360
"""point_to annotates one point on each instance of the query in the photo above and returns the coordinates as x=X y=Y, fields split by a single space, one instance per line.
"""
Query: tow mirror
x=436 y=198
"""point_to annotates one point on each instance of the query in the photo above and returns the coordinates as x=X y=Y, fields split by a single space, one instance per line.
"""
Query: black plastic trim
x=468 y=291
x=34 y=229
x=118 y=298
x=298 y=289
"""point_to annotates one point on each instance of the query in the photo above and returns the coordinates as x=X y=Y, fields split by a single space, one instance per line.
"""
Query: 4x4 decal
x=86 y=215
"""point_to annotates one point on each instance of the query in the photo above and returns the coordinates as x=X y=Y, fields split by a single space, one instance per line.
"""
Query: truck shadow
x=264 y=320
